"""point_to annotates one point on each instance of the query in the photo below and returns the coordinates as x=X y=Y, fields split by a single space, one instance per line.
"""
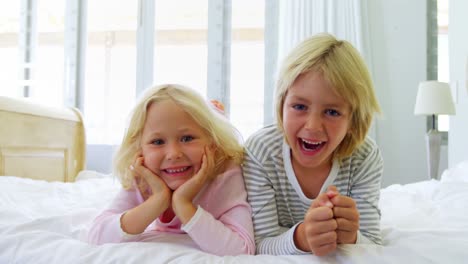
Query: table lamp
x=434 y=98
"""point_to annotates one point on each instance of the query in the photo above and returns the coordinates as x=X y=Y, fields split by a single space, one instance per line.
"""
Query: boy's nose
x=314 y=122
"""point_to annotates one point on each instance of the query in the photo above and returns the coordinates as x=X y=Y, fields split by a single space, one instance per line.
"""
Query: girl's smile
x=172 y=143
x=177 y=171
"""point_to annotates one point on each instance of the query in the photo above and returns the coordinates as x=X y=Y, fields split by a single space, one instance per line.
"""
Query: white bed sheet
x=43 y=222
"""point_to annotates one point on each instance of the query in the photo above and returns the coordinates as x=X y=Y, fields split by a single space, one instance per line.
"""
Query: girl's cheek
x=150 y=158
x=144 y=151
x=195 y=151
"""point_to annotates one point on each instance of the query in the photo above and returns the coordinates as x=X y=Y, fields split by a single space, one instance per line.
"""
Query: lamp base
x=433 y=140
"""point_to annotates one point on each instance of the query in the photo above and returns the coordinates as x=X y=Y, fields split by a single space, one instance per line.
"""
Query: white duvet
x=41 y=222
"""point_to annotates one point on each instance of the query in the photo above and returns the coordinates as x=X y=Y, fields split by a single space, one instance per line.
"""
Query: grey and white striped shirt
x=278 y=203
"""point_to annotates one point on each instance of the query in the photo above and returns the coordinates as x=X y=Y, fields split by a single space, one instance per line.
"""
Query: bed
x=48 y=200
x=40 y=142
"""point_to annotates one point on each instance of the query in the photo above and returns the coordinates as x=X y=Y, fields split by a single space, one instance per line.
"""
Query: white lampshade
x=434 y=98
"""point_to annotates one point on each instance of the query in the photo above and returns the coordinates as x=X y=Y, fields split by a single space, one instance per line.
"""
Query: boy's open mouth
x=310 y=145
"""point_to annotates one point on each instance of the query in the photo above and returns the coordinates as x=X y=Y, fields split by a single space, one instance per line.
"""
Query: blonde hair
x=222 y=133
x=341 y=65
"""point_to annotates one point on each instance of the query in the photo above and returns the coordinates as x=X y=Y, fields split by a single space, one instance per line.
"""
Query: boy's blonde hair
x=222 y=133
x=341 y=65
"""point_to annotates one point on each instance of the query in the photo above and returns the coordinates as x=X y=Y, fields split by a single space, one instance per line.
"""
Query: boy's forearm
x=300 y=239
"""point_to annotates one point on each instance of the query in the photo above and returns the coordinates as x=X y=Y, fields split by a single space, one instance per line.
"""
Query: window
x=31 y=48
x=9 y=52
x=47 y=79
x=45 y=48
x=247 y=65
x=180 y=50
x=110 y=73
x=442 y=54
x=181 y=53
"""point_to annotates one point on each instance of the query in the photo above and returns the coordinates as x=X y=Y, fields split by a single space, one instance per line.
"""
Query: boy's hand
x=318 y=231
x=347 y=217
x=218 y=105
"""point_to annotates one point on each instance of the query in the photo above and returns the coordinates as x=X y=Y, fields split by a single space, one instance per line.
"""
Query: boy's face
x=172 y=143
x=315 y=121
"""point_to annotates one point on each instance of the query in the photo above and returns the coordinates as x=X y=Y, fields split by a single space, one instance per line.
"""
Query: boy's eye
x=299 y=107
x=157 y=142
x=332 y=112
x=186 y=138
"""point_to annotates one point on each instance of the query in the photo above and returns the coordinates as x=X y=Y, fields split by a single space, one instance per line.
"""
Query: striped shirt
x=278 y=203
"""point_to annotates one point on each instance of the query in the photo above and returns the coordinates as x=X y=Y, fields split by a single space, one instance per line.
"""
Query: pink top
x=222 y=224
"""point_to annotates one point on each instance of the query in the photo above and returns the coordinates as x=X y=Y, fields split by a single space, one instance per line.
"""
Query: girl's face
x=315 y=121
x=172 y=143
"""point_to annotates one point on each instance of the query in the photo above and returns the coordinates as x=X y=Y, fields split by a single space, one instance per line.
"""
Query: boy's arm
x=365 y=191
x=270 y=237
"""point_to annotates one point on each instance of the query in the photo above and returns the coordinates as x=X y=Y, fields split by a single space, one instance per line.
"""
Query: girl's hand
x=137 y=219
x=182 y=198
x=151 y=180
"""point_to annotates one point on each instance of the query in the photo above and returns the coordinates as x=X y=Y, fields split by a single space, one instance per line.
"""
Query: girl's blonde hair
x=341 y=65
x=223 y=134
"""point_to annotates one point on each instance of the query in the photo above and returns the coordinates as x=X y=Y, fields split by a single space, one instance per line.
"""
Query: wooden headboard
x=40 y=142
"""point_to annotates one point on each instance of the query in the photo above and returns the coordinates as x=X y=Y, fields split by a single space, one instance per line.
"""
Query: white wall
x=398 y=43
x=458 y=57
x=99 y=157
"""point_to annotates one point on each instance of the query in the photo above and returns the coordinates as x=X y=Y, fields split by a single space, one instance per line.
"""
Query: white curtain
x=300 y=19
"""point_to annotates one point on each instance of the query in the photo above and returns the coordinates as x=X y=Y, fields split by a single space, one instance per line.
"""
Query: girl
x=313 y=180
x=179 y=168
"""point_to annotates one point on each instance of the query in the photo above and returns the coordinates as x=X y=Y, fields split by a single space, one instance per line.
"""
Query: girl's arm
x=182 y=200
x=222 y=224
x=130 y=213
x=106 y=227
x=137 y=219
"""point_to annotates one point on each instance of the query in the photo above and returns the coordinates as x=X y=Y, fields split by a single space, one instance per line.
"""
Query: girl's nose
x=174 y=152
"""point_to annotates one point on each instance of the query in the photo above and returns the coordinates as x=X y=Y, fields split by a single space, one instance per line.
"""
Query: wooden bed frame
x=40 y=142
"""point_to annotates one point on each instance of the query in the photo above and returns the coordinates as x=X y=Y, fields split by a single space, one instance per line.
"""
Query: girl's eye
x=186 y=138
x=157 y=142
x=299 y=107
x=332 y=112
